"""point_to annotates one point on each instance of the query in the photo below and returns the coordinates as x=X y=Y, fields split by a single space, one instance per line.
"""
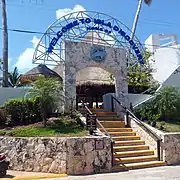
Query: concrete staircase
x=130 y=152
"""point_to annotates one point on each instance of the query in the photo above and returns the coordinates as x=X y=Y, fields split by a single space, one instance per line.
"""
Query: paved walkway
x=159 y=173
x=20 y=175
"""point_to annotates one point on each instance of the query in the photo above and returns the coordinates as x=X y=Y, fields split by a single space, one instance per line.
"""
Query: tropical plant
x=22 y=111
x=141 y=75
x=168 y=102
x=49 y=91
x=5 y=44
x=164 y=106
x=14 y=78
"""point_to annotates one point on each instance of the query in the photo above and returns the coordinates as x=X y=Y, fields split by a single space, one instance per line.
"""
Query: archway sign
x=76 y=26
x=88 y=39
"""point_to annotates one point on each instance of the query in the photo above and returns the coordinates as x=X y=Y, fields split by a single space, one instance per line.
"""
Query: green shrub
x=164 y=106
x=23 y=112
x=3 y=118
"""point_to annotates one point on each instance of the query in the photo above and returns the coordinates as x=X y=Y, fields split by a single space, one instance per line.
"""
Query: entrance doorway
x=91 y=84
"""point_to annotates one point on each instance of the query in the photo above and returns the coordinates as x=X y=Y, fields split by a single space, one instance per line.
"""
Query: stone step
x=113 y=124
x=84 y=110
x=104 y=113
x=126 y=138
x=129 y=143
x=134 y=159
x=109 y=118
x=130 y=148
x=122 y=133
x=138 y=165
x=133 y=153
x=118 y=129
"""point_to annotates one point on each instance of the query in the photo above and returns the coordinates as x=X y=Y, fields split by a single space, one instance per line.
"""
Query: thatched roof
x=93 y=75
x=41 y=69
x=89 y=76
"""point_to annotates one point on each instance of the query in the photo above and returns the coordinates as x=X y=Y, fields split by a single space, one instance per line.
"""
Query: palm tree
x=14 y=78
x=49 y=91
x=148 y=2
x=5 y=44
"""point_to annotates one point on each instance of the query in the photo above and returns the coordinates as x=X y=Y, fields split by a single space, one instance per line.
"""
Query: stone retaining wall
x=151 y=142
x=169 y=146
x=57 y=155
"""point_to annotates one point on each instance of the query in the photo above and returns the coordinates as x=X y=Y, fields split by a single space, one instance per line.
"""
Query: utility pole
x=5 y=44
x=136 y=19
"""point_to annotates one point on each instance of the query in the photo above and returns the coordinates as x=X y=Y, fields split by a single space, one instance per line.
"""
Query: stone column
x=121 y=88
x=70 y=88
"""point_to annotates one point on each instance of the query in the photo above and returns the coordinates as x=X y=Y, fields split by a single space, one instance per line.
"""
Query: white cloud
x=24 y=62
x=63 y=12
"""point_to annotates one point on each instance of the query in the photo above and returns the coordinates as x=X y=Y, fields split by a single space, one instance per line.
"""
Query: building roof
x=41 y=69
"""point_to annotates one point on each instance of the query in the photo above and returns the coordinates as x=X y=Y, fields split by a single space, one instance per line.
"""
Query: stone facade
x=82 y=158
x=169 y=146
x=149 y=140
x=57 y=155
x=78 y=57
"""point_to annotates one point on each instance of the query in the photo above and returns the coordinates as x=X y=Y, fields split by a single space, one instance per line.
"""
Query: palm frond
x=14 y=78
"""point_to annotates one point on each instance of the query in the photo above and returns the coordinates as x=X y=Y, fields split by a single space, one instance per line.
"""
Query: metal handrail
x=148 y=130
x=112 y=141
x=90 y=112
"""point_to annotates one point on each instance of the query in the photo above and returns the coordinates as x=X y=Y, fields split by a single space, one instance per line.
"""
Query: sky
x=37 y=15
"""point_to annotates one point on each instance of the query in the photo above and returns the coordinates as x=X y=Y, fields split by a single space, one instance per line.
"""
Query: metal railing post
x=127 y=119
x=158 y=149
x=112 y=104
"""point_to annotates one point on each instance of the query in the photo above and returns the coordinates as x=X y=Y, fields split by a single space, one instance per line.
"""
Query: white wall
x=11 y=93
x=166 y=54
x=133 y=98
x=152 y=40
x=166 y=62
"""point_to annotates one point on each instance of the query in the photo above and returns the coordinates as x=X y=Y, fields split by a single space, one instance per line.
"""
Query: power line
x=24 y=31
x=146 y=20
x=41 y=33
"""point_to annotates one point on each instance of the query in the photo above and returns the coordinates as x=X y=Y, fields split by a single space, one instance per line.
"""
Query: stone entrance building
x=79 y=56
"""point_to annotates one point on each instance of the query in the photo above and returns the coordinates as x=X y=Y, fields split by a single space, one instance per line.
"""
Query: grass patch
x=171 y=126
x=62 y=127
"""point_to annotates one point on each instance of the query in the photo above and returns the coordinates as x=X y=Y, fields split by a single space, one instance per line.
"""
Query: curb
x=36 y=177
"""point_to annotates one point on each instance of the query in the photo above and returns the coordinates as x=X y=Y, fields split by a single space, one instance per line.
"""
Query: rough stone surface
x=83 y=158
x=169 y=146
x=149 y=140
x=57 y=155
x=78 y=57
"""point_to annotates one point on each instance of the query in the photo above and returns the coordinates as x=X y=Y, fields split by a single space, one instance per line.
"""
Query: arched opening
x=91 y=84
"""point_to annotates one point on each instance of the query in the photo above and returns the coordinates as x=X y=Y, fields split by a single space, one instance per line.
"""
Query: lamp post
x=148 y=2
x=136 y=19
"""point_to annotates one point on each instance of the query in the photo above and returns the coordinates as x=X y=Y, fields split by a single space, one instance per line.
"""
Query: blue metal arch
x=50 y=48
